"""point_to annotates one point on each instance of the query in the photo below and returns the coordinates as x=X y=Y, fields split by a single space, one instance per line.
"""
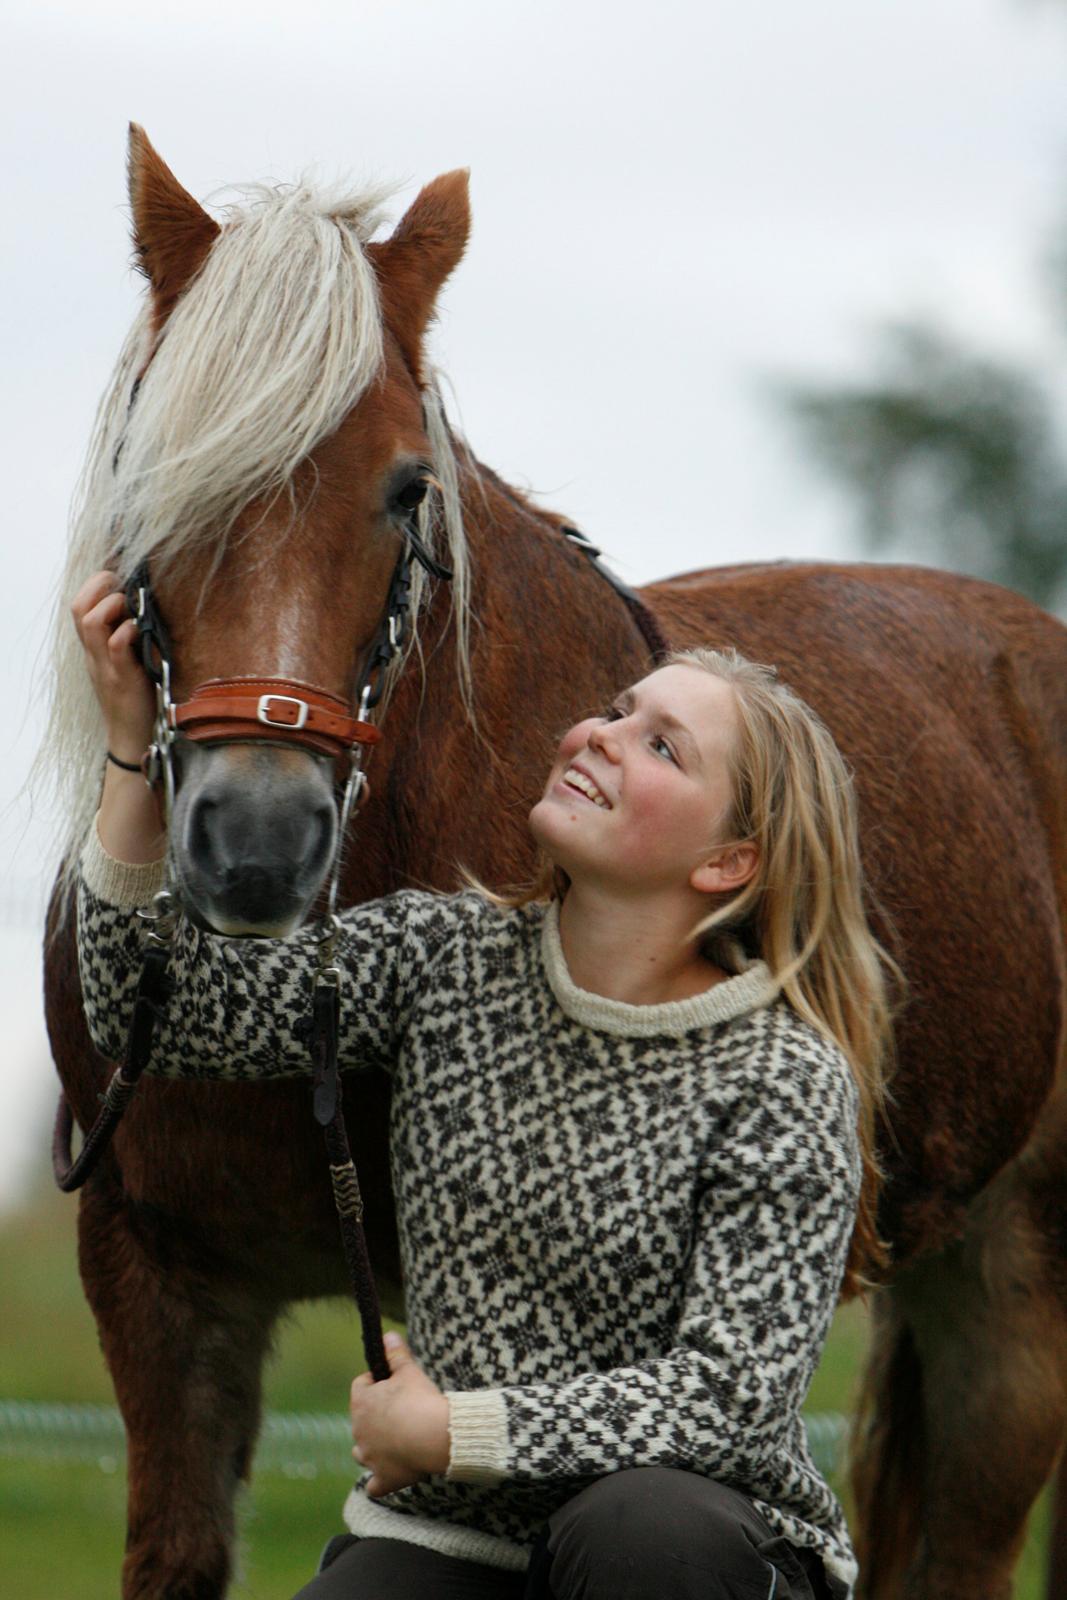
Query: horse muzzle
x=253 y=833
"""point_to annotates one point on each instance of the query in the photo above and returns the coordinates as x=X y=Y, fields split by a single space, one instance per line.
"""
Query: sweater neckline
x=723 y=1002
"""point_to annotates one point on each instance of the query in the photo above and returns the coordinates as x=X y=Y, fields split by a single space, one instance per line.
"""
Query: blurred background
x=744 y=283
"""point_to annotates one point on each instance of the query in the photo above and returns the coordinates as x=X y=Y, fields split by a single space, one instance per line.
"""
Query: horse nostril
x=200 y=831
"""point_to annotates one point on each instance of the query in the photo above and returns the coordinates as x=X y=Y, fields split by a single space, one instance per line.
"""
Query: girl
x=632 y=1139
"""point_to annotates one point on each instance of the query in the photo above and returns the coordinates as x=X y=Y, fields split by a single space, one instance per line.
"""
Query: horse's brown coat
x=949 y=698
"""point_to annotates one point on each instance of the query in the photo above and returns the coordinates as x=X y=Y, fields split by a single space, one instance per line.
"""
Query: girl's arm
x=239 y=1007
x=768 y=1259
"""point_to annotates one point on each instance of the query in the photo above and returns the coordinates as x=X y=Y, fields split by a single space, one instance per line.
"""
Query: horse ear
x=413 y=264
x=171 y=232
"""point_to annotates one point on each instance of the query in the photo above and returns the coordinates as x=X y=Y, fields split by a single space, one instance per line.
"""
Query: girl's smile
x=576 y=778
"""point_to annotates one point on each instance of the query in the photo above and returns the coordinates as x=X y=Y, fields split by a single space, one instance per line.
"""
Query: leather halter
x=281 y=710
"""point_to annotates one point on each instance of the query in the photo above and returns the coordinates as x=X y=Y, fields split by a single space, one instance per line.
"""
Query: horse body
x=949 y=699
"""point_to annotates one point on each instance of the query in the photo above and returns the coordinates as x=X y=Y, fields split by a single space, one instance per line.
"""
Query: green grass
x=64 y=1524
x=64 y=1521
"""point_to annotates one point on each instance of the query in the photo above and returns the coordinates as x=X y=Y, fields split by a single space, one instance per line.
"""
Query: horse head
x=284 y=446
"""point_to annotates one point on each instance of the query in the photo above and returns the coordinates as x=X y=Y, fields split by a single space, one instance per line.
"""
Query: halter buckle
x=285 y=720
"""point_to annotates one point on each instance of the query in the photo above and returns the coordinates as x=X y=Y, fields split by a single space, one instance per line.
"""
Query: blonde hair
x=803 y=910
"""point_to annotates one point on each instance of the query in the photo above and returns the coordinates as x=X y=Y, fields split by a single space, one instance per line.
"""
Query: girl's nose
x=604 y=739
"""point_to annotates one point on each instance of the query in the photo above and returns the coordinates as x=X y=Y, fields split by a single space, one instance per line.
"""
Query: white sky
x=672 y=204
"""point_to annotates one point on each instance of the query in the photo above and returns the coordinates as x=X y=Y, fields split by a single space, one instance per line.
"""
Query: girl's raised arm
x=239 y=1006
x=129 y=823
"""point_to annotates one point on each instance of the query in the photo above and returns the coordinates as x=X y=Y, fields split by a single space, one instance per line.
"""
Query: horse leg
x=966 y=1406
x=185 y=1341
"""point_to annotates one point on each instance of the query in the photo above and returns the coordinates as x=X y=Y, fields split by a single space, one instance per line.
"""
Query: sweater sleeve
x=240 y=1008
x=772 y=1232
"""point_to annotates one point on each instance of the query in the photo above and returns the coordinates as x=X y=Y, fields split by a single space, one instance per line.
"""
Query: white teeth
x=578 y=780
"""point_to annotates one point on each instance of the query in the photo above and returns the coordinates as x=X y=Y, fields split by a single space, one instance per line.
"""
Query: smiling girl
x=631 y=1143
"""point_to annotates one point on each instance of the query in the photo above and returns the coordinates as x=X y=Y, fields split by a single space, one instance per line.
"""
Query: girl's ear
x=727 y=870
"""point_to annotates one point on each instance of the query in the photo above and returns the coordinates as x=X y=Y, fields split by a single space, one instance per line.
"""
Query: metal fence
x=291 y=1443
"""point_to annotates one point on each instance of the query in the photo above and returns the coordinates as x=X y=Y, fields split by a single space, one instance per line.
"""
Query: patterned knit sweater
x=623 y=1228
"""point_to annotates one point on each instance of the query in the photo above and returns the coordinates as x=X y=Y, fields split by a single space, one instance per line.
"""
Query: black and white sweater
x=623 y=1228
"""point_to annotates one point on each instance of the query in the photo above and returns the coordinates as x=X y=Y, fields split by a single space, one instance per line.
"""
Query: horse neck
x=566 y=629
x=550 y=640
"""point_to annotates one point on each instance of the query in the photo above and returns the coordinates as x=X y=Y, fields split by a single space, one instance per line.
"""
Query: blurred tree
x=957 y=448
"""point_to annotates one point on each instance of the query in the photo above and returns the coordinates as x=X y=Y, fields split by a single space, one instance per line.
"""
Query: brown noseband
x=271 y=708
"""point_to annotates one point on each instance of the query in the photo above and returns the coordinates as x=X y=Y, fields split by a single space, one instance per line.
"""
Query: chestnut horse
x=285 y=423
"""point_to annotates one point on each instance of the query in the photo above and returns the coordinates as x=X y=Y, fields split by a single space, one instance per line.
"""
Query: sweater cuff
x=124 y=884
x=478 y=1435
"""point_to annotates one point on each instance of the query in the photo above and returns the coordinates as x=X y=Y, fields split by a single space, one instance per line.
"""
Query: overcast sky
x=673 y=203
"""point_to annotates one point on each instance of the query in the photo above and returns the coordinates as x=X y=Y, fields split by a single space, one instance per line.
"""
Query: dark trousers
x=647 y=1533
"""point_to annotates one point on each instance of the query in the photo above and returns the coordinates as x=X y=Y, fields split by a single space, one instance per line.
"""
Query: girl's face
x=639 y=797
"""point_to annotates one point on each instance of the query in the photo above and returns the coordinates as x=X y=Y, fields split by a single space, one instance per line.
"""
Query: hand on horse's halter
x=109 y=638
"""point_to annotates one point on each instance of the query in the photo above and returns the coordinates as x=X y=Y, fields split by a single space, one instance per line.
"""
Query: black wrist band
x=127 y=766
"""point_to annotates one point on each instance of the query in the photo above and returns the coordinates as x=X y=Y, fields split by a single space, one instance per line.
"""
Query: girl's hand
x=109 y=635
x=400 y=1426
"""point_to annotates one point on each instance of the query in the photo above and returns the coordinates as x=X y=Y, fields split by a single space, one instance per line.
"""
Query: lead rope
x=153 y=990
x=329 y=1114
x=327 y=1098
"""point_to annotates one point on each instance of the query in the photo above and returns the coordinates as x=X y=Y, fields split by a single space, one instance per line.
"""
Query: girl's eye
x=611 y=714
x=660 y=743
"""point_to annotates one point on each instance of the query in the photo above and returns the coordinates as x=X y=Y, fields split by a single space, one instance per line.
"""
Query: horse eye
x=412 y=494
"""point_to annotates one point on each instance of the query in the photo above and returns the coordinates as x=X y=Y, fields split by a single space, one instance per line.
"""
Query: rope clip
x=160 y=919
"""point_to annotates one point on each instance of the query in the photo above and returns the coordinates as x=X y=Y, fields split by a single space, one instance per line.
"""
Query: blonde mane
x=272 y=344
